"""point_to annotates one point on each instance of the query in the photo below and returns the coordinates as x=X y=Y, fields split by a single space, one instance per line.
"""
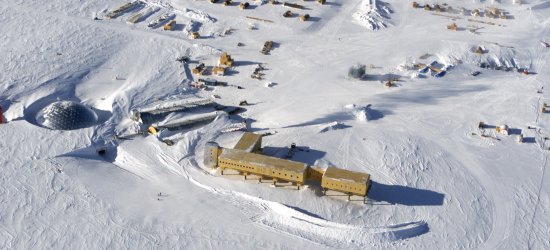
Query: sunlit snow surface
x=66 y=115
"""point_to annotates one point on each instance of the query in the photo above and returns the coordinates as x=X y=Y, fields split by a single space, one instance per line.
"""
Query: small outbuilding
x=225 y=60
x=346 y=181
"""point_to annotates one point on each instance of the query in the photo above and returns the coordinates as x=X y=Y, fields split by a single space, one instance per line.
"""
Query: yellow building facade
x=346 y=181
x=263 y=166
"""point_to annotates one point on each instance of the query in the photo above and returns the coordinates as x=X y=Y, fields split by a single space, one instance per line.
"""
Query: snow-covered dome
x=66 y=115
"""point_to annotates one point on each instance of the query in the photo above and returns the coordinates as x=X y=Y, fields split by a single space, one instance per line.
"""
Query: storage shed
x=225 y=60
x=346 y=181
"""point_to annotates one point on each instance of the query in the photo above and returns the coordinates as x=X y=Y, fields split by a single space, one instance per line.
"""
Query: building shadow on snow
x=338 y=116
x=529 y=140
x=408 y=196
x=378 y=77
x=301 y=210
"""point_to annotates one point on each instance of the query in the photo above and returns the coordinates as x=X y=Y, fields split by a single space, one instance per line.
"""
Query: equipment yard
x=194 y=124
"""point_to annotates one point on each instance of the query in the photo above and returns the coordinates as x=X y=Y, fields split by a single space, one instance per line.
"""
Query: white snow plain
x=437 y=184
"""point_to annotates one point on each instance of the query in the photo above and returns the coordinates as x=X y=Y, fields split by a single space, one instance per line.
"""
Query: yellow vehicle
x=170 y=25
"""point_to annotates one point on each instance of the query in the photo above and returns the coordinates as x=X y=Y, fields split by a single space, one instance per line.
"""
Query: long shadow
x=372 y=115
x=179 y=27
x=245 y=63
x=408 y=196
x=301 y=210
x=384 y=77
x=92 y=153
x=529 y=140
x=338 y=116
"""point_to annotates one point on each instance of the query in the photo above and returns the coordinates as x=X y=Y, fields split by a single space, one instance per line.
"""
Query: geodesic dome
x=66 y=115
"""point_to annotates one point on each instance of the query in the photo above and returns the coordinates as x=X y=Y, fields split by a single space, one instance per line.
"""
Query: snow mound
x=373 y=14
x=199 y=15
x=365 y=113
x=66 y=115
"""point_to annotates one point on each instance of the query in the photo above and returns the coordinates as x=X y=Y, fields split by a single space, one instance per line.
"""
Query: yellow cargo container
x=263 y=166
x=249 y=142
x=349 y=182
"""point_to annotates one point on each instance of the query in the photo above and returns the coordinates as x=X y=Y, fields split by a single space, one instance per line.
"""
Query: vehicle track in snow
x=542 y=64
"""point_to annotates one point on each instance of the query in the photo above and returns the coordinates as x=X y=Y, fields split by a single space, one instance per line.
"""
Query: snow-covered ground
x=437 y=183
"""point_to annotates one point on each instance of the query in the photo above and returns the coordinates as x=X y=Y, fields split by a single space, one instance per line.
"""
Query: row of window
x=333 y=185
x=252 y=168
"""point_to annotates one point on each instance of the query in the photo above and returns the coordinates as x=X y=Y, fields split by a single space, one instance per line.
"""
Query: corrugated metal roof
x=346 y=175
x=262 y=160
x=247 y=141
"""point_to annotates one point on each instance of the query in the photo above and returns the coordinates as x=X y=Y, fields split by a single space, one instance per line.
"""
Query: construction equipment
x=199 y=69
x=479 y=50
x=288 y=13
x=452 y=26
x=227 y=2
x=502 y=129
x=194 y=35
x=481 y=125
x=218 y=71
x=267 y=47
x=212 y=82
x=225 y=60
x=183 y=59
x=244 y=5
x=321 y=2
x=170 y=25
x=304 y=17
